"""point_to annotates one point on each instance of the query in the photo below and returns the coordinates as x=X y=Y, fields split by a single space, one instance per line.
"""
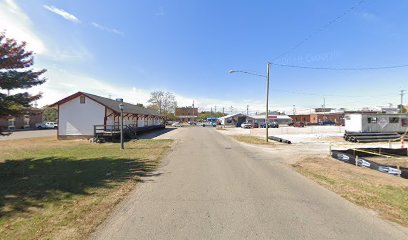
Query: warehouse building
x=316 y=118
x=235 y=119
x=186 y=114
x=280 y=119
x=80 y=114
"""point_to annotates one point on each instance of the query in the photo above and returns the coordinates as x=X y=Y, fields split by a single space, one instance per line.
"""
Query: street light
x=267 y=92
x=121 y=106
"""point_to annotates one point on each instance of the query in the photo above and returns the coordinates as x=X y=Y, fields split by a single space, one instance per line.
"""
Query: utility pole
x=402 y=101
x=294 y=109
x=211 y=112
x=193 y=112
x=267 y=100
x=223 y=111
x=121 y=106
x=247 y=109
x=215 y=110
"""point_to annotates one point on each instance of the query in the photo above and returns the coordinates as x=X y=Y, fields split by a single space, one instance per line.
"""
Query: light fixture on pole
x=267 y=93
x=121 y=106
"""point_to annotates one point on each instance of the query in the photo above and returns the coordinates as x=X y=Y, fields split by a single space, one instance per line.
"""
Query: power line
x=321 y=29
x=342 y=68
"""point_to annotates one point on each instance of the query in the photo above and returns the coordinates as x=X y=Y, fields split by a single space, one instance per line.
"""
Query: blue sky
x=129 y=48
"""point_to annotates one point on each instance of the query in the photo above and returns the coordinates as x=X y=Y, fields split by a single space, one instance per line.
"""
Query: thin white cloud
x=107 y=29
x=61 y=12
x=16 y=23
x=61 y=83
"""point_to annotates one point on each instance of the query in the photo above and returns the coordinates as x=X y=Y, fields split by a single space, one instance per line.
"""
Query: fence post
x=356 y=161
x=330 y=148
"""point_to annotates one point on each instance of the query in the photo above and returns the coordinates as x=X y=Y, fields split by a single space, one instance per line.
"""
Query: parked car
x=299 y=124
x=176 y=124
x=270 y=125
x=246 y=125
x=212 y=124
x=47 y=125
x=255 y=125
x=326 y=123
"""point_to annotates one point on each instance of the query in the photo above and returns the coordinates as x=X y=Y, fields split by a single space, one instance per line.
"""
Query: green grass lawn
x=385 y=194
x=52 y=189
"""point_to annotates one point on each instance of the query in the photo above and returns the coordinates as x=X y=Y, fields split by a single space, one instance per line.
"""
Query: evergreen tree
x=16 y=72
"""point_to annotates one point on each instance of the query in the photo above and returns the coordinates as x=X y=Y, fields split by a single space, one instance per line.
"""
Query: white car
x=246 y=125
x=176 y=124
x=47 y=125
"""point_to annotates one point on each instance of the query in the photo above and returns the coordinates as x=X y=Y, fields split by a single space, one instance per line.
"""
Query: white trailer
x=376 y=123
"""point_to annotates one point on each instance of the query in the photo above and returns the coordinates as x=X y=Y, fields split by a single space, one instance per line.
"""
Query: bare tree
x=156 y=99
x=164 y=102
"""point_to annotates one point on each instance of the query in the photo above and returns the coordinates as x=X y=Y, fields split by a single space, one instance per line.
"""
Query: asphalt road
x=30 y=134
x=212 y=187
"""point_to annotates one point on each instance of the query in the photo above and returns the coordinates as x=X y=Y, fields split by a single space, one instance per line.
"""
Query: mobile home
x=376 y=123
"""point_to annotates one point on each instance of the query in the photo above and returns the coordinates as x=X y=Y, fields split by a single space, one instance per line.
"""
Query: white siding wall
x=141 y=122
x=79 y=119
x=353 y=123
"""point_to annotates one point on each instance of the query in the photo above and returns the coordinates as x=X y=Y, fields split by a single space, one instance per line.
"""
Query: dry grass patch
x=252 y=139
x=52 y=189
x=385 y=194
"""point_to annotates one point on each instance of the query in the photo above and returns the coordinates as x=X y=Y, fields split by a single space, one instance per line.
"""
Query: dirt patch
x=385 y=194
x=253 y=140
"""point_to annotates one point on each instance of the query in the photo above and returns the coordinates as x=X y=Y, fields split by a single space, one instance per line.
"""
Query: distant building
x=27 y=119
x=235 y=119
x=390 y=110
x=186 y=114
x=315 y=118
x=280 y=119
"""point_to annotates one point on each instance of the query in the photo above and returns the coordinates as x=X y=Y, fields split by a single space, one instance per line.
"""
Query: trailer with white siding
x=81 y=114
x=375 y=127
x=376 y=123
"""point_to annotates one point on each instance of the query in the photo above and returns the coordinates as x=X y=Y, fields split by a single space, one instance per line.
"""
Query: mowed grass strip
x=52 y=189
x=252 y=139
x=385 y=194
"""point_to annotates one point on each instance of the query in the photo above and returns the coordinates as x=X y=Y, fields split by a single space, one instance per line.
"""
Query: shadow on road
x=156 y=133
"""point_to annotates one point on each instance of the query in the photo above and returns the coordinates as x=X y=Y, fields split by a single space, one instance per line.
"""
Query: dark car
x=270 y=125
x=326 y=123
x=299 y=124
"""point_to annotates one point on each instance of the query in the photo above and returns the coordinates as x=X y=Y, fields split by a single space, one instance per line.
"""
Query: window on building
x=11 y=122
x=394 y=119
x=372 y=120
x=26 y=121
x=404 y=122
x=82 y=99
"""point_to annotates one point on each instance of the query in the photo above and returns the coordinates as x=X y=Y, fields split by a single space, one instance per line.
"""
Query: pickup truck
x=46 y=125
x=246 y=125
